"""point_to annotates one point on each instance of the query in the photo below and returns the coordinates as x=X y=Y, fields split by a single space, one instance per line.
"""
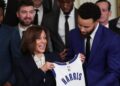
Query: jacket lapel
x=96 y=43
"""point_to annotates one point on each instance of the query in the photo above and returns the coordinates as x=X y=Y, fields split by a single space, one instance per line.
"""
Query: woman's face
x=41 y=43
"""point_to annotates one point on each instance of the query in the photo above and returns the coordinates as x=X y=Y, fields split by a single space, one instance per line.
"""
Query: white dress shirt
x=61 y=23
x=40 y=14
x=40 y=61
x=92 y=37
x=21 y=29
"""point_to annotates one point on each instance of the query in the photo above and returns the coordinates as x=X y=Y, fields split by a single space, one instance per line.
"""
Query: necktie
x=66 y=29
x=88 y=48
x=36 y=17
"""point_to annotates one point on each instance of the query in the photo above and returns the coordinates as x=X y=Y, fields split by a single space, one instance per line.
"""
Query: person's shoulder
x=74 y=31
x=7 y=29
x=114 y=20
x=107 y=32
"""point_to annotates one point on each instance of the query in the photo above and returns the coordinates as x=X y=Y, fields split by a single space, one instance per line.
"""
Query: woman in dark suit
x=34 y=69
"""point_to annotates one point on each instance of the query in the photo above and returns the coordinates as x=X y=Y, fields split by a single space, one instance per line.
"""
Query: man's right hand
x=63 y=54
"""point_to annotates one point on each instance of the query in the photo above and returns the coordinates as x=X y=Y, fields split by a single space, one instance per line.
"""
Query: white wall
x=113 y=6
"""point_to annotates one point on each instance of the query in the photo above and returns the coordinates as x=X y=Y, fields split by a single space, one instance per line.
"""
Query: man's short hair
x=24 y=3
x=89 y=10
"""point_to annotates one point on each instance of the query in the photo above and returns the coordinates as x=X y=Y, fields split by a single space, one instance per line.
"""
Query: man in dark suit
x=50 y=5
x=40 y=11
x=100 y=46
x=105 y=8
x=25 y=14
x=10 y=13
x=6 y=65
x=55 y=22
x=114 y=25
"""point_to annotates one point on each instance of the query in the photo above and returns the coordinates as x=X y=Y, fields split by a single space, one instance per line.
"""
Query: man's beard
x=25 y=24
x=86 y=35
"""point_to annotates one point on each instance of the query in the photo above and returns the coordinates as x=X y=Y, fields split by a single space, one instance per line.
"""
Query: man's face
x=105 y=13
x=66 y=5
x=26 y=15
x=86 y=26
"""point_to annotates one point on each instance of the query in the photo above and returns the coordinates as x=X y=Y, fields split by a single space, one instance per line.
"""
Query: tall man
x=55 y=22
x=6 y=64
x=100 y=45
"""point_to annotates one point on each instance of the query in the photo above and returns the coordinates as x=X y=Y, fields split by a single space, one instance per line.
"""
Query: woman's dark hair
x=89 y=10
x=29 y=38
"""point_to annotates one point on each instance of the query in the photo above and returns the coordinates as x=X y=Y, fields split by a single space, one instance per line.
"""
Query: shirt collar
x=39 y=8
x=94 y=32
x=23 y=29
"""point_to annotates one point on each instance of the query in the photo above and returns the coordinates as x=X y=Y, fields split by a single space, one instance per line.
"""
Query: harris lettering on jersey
x=70 y=77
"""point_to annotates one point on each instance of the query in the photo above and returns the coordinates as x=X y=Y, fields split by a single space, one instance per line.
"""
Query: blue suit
x=103 y=66
x=6 y=60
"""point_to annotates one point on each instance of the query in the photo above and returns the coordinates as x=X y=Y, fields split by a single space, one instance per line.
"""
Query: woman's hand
x=47 y=66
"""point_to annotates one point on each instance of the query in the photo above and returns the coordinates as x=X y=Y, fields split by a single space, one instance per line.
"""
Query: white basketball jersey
x=69 y=73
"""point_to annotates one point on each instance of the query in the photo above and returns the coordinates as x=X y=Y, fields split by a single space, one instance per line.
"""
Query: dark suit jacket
x=6 y=60
x=10 y=15
x=27 y=73
x=48 y=5
x=16 y=44
x=102 y=68
x=51 y=21
x=113 y=25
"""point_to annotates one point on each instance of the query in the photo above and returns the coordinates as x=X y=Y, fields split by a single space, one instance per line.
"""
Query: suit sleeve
x=113 y=63
x=25 y=77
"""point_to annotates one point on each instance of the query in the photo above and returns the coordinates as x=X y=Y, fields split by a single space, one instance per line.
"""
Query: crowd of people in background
x=35 y=33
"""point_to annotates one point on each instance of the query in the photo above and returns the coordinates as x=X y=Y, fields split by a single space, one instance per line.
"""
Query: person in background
x=10 y=17
x=51 y=5
x=34 y=69
x=99 y=45
x=56 y=23
x=105 y=8
x=25 y=14
x=115 y=25
x=40 y=11
x=7 y=77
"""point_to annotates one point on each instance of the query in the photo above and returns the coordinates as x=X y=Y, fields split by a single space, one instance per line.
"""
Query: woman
x=34 y=69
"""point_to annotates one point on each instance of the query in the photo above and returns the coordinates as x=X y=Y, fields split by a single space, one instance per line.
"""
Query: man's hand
x=82 y=57
x=63 y=54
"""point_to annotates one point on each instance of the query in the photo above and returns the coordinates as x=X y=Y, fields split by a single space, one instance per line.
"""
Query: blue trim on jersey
x=69 y=62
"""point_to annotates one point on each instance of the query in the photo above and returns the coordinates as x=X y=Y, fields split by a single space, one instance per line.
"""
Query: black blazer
x=6 y=60
x=51 y=21
x=10 y=15
x=27 y=73
x=113 y=25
